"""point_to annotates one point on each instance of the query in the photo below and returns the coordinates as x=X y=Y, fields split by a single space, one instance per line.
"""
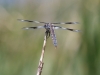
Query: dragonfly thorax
x=47 y=26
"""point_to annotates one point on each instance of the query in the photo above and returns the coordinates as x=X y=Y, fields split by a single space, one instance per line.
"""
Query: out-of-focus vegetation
x=77 y=53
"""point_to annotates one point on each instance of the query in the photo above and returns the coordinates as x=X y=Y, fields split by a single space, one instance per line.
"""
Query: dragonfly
x=49 y=27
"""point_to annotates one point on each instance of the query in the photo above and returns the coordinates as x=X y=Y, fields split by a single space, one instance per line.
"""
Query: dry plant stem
x=40 y=66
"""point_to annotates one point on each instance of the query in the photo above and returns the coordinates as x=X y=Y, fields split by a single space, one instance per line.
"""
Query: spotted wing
x=33 y=27
x=58 y=27
x=30 y=21
x=66 y=23
x=53 y=35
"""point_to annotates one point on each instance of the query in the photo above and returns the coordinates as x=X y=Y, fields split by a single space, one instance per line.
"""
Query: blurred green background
x=77 y=53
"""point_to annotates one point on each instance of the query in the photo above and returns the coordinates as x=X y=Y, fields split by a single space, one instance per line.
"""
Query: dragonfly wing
x=66 y=23
x=30 y=21
x=33 y=27
x=58 y=27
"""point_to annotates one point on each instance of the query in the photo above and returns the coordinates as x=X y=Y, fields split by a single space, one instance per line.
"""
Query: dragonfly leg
x=47 y=33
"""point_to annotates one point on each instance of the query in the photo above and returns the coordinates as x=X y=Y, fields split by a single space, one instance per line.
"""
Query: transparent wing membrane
x=45 y=22
x=58 y=27
x=66 y=23
x=30 y=21
x=33 y=27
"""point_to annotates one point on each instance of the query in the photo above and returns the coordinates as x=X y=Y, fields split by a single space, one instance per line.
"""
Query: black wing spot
x=70 y=29
x=33 y=27
x=28 y=21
